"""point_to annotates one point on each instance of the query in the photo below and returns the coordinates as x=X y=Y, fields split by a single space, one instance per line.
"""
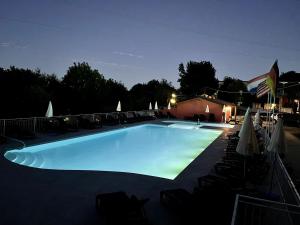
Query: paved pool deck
x=46 y=197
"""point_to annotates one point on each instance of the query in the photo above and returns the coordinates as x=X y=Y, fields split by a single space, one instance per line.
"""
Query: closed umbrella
x=277 y=142
x=245 y=118
x=247 y=144
x=156 y=106
x=118 y=107
x=257 y=120
x=276 y=145
x=169 y=106
x=150 y=106
x=207 y=109
x=49 y=112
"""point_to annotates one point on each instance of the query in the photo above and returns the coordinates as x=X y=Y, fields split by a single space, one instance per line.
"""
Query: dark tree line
x=26 y=93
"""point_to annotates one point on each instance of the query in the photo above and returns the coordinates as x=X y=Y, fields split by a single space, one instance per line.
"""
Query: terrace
x=41 y=196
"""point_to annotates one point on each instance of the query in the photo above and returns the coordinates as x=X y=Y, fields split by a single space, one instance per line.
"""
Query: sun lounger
x=176 y=199
x=89 y=122
x=118 y=208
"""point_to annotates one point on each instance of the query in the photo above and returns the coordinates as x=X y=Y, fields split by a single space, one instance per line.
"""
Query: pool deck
x=46 y=197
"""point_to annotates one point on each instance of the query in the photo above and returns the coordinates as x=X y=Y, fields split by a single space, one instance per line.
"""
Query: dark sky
x=136 y=41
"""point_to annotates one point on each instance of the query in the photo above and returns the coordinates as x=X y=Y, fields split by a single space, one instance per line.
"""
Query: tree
x=290 y=76
x=154 y=90
x=197 y=78
x=234 y=85
x=87 y=91
x=22 y=92
x=26 y=93
x=290 y=88
x=113 y=92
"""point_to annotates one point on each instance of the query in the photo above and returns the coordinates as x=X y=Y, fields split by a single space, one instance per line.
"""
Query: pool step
x=38 y=161
x=11 y=156
x=20 y=158
x=28 y=159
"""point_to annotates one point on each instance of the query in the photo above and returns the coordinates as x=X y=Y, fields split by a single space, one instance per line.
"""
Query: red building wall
x=197 y=106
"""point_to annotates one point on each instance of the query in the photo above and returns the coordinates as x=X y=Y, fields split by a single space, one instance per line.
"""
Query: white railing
x=286 y=186
x=255 y=211
x=39 y=124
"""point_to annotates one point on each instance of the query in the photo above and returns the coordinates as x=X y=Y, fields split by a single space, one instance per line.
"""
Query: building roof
x=217 y=101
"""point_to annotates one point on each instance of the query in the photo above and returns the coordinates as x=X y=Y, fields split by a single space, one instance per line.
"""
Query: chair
x=118 y=208
x=89 y=122
x=176 y=199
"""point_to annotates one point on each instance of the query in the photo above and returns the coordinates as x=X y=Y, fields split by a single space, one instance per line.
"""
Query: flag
x=262 y=89
x=253 y=83
x=272 y=78
x=270 y=82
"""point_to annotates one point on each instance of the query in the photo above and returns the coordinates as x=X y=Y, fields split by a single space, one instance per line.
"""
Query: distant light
x=174 y=95
x=173 y=100
x=273 y=106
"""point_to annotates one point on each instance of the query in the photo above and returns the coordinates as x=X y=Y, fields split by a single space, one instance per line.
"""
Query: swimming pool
x=195 y=125
x=154 y=150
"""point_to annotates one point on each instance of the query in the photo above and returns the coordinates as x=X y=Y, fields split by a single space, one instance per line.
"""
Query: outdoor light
x=174 y=95
x=173 y=100
x=273 y=106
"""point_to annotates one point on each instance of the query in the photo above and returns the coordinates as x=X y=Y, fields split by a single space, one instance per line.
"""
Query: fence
x=255 y=211
x=286 y=186
x=33 y=125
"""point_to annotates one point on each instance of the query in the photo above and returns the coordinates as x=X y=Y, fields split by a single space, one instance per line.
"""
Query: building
x=209 y=108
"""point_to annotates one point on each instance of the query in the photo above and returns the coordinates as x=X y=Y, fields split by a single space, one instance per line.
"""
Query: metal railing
x=286 y=186
x=35 y=125
x=255 y=211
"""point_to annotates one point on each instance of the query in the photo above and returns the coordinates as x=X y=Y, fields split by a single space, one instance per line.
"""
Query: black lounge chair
x=209 y=204
x=89 y=122
x=182 y=204
x=68 y=124
x=111 y=119
x=131 y=117
x=118 y=208
x=176 y=199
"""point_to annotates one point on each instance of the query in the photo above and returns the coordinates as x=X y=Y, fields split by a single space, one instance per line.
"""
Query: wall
x=197 y=106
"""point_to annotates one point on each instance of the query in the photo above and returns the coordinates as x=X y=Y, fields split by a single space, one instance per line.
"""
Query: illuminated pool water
x=153 y=150
x=195 y=125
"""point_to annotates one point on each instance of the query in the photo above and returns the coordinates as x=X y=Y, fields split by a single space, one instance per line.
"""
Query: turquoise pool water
x=195 y=125
x=153 y=150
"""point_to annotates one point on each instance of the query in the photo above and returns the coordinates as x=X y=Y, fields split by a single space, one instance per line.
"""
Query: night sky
x=136 y=41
